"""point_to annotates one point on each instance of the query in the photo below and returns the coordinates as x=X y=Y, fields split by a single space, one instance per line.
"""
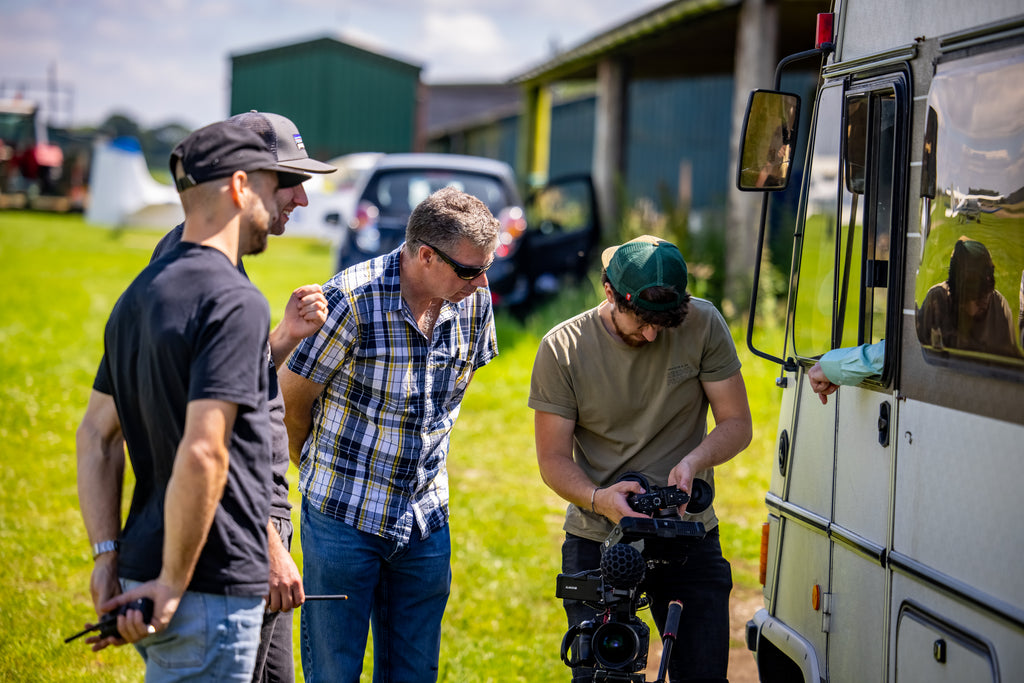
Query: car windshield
x=396 y=192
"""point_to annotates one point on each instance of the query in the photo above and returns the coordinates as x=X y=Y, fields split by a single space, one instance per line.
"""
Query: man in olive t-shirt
x=625 y=387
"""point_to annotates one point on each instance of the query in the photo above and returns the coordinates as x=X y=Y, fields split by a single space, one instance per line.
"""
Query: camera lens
x=615 y=644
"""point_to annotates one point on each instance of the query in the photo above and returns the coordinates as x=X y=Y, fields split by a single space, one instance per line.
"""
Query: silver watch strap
x=104 y=547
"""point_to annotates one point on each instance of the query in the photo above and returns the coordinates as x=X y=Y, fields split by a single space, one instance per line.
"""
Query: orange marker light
x=762 y=574
x=816 y=597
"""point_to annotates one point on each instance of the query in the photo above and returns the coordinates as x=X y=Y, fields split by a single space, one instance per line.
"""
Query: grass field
x=58 y=281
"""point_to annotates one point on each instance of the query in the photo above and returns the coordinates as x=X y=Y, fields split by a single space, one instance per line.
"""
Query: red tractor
x=30 y=166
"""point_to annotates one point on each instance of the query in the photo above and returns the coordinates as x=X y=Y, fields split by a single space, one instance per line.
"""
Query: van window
x=812 y=317
x=969 y=291
x=869 y=200
x=852 y=202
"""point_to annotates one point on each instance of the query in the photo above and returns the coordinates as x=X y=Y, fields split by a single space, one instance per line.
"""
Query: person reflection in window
x=965 y=311
x=774 y=172
x=1020 y=316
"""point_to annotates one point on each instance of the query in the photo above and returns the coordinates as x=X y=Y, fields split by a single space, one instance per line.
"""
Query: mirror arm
x=757 y=278
x=823 y=51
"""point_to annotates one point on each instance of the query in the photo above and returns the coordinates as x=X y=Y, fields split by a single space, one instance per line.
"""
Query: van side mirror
x=769 y=141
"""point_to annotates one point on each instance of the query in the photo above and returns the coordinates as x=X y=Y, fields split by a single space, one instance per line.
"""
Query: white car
x=549 y=237
x=331 y=198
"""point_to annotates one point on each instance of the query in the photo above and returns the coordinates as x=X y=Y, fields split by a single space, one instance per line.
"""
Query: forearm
x=299 y=396
x=563 y=475
x=193 y=494
x=721 y=445
x=850 y=366
x=298 y=425
x=566 y=478
x=285 y=581
x=282 y=344
x=732 y=432
x=100 y=469
x=100 y=482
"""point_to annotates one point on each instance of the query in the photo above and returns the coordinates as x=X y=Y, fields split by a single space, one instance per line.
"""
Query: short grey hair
x=449 y=216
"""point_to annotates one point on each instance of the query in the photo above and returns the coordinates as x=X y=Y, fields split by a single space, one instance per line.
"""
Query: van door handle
x=883 y=424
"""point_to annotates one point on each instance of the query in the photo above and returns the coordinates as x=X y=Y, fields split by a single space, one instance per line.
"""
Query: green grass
x=58 y=281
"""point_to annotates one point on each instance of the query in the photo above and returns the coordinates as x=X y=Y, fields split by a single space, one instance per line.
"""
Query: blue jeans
x=400 y=590
x=210 y=638
x=702 y=581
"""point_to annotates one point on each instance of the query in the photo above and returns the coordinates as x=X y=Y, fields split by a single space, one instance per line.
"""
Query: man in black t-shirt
x=304 y=314
x=184 y=385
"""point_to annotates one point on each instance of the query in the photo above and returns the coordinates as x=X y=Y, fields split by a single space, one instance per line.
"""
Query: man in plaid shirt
x=370 y=404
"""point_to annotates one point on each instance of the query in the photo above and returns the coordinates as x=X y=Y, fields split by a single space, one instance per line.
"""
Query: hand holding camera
x=660 y=501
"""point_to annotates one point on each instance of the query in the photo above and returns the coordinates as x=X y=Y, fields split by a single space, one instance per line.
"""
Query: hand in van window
x=846 y=366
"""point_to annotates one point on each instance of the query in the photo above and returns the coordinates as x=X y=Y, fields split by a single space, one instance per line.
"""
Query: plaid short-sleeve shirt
x=377 y=450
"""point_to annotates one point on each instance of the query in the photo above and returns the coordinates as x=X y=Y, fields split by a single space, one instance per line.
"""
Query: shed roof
x=328 y=43
x=678 y=38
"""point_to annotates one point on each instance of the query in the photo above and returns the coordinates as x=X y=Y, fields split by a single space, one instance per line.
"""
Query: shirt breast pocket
x=462 y=370
x=454 y=375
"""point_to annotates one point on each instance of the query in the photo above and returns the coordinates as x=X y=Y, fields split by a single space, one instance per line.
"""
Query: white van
x=893 y=549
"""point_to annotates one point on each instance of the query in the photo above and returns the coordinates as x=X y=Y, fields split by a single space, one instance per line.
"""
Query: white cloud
x=462 y=44
x=169 y=59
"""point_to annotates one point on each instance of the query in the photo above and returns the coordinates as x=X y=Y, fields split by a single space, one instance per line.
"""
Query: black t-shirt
x=192 y=327
x=279 y=505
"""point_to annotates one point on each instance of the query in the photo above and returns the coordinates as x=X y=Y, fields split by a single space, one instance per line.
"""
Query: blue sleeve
x=853 y=365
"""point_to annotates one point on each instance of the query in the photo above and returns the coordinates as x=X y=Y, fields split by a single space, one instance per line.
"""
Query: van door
x=807 y=434
x=872 y=191
x=847 y=294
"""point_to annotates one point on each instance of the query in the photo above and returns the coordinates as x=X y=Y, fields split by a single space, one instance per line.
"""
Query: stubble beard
x=634 y=340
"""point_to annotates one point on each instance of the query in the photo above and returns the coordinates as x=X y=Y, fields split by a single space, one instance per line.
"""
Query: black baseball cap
x=645 y=262
x=218 y=150
x=283 y=139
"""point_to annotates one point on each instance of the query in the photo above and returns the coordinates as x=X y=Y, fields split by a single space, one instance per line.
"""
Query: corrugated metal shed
x=672 y=85
x=676 y=140
x=572 y=137
x=342 y=98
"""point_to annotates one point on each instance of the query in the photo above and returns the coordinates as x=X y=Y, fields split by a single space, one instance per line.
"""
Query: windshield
x=397 y=192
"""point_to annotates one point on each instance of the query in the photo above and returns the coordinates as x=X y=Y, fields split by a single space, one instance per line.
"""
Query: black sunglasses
x=461 y=271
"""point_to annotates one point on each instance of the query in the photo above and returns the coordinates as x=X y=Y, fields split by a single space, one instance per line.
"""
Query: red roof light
x=824 y=32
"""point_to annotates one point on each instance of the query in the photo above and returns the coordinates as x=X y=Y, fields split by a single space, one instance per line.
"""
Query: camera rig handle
x=675 y=611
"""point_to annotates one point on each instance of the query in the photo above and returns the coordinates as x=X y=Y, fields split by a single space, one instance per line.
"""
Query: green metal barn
x=343 y=98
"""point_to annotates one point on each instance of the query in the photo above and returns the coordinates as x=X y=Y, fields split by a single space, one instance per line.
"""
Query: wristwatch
x=104 y=547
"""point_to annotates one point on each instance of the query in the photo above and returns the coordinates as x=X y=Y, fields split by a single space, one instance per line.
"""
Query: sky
x=164 y=61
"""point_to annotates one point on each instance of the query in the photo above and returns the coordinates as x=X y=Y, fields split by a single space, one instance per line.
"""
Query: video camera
x=615 y=643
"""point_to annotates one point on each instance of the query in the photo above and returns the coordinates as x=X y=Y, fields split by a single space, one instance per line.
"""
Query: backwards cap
x=645 y=262
x=218 y=150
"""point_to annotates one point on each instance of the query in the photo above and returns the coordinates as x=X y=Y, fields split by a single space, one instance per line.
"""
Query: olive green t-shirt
x=636 y=409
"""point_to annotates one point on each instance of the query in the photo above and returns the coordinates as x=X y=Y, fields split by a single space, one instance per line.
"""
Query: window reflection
x=973 y=185
x=965 y=311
